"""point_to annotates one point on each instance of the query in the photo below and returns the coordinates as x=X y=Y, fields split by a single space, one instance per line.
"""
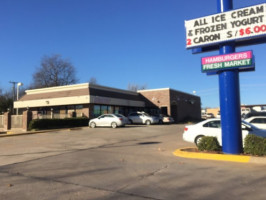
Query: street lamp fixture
x=18 y=85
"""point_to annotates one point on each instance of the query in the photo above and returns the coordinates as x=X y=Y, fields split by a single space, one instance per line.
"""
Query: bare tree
x=6 y=101
x=54 y=71
x=136 y=87
x=93 y=81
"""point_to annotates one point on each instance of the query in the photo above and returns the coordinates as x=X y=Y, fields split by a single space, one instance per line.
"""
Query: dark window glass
x=96 y=110
x=104 y=109
x=213 y=124
x=256 y=120
x=102 y=116
x=116 y=110
x=110 y=109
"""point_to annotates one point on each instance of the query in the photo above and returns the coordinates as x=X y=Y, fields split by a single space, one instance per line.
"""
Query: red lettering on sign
x=188 y=42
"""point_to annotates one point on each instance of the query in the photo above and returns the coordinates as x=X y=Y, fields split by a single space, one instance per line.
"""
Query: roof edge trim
x=58 y=88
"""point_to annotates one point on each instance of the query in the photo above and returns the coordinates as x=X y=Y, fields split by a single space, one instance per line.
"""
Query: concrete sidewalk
x=11 y=133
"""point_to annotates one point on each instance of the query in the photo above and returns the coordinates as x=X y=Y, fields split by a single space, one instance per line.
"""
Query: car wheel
x=148 y=122
x=130 y=121
x=198 y=139
x=160 y=121
x=92 y=125
x=113 y=125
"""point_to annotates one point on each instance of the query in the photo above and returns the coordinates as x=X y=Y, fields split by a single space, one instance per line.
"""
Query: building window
x=104 y=109
x=110 y=109
x=79 y=107
x=96 y=110
x=116 y=110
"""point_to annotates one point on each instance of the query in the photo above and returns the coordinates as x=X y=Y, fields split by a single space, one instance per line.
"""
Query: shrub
x=255 y=145
x=208 y=143
x=40 y=124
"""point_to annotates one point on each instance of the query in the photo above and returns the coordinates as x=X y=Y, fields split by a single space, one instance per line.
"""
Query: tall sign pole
x=229 y=97
x=225 y=31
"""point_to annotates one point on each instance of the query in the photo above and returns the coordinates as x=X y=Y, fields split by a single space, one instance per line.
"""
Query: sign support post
x=229 y=97
x=225 y=31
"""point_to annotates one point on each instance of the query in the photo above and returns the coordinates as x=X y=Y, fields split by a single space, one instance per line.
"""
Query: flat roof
x=153 y=90
x=77 y=87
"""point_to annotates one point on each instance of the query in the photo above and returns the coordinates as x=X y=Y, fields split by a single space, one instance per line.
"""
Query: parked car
x=165 y=119
x=142 y=118
x=207 y=116
x=253 y=114
x=109 y=120
x=212 y=127
x=259 y=121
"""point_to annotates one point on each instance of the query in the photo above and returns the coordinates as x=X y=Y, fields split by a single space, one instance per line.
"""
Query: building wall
x=86 y=110
x=214 y=111
x=157 y=98
x=85 y=99
x=181 y=106
x=188 y=107
x=245 y=109
x=253 y=108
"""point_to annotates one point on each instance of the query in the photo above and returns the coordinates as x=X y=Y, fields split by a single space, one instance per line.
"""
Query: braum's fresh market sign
x=238 y=24
x=227 y=61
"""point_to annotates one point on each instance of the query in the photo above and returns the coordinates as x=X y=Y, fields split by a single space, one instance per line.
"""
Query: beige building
x=245 y=109
x=214 y=111
x=93 y=100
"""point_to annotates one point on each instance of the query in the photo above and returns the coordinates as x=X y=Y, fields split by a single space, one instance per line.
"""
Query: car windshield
x=213 y=124
x=216 y=124
x=250 y=125
x=118 y=115
x=146 y=114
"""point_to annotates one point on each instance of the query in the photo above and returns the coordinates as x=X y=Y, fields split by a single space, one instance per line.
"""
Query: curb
x=219 y=157
x=11 y=133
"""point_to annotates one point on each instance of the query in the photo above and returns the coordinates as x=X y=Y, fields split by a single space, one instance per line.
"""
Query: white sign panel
x=237 y=24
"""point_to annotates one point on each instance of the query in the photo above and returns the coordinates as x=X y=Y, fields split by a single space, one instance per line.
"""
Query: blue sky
x=118 y=42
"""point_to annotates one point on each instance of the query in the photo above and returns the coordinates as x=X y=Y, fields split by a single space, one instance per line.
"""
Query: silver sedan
x=109 y=120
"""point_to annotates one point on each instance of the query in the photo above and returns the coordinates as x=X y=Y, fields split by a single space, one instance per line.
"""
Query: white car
x=165 y=119
x=212 y=127
x=142 y=118
x=207 y=116
x=110 y=120
x=259 y=121
x=218 y=115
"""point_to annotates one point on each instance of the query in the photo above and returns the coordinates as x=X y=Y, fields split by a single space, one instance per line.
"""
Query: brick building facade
x=93 y=100
x=181 y=106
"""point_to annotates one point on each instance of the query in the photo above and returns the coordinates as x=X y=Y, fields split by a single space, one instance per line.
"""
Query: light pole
x=18 y=85
x=14 y=94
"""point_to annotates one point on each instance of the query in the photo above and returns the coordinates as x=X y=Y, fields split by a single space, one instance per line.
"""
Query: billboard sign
x=243 y=60
x=235 y=25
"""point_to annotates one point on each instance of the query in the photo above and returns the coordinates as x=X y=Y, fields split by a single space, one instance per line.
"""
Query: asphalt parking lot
x=135 y=162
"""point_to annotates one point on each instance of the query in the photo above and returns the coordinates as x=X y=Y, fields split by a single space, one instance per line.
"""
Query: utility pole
x=14 y=92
